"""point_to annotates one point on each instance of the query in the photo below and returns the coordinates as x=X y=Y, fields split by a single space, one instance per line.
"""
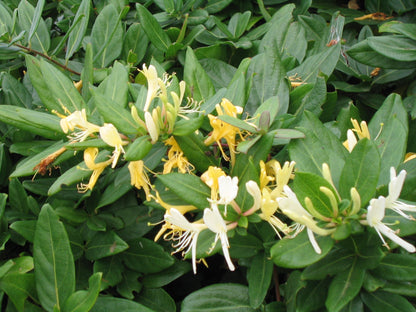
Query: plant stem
x=276 y=284
x=47 y=57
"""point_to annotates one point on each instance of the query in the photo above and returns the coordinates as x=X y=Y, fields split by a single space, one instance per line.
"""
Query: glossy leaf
x=103 y=245
x=184 y=185
x=54 y=266
x=227 y=297
x=361 y=170
x=298 y=252
x=77 y=34
x=84 y=300
x=259 y=277
x=382 y=301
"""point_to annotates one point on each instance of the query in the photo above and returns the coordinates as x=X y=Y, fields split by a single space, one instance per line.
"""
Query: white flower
x=151 y=127
x=110 y=136
x=351 y=140
x=395 y=187
x=189 y=233
x=228 y=188
x=214 y=222
x=292 y=208
x=375 y=213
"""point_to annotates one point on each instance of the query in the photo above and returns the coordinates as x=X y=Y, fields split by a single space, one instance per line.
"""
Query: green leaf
x=220 y=297
x=397 y=267
x=198 y=83
x=115 y=87
x=119 y=117
x=320 y=146
x=363 y=53
x=395 y=47
x=135 y=42
x=118 y=304
x=146 y=256
x=244 y=246
x=61 y=87
x=401 y=288
x=152 y=29
x=238 y=123
x=293 y=285
x=336 y=261
x=39 y=38
x=259 y=277
x=111 y=269
x=15 y=93
x=69 y=177
x=344 y=287
x=196 y=151
x=27 y=166
x=307 y=185
x=268 y=78
x=187 y=126
x=103 y=245
x=166 y=276
x=107 y=36
x=157 y=299
x=54 y=264
x=84 y=300
x=409 y=30
x=312 y=100
x=276 y=35
x=190 y=188
x=39 y=123
x=138 y=149
x=18 y=287
x=361 y=170
x=37 y=16
x=391 y=120
x=78 y=32
x=384 y=301
x=312 y=297
x=26 y=228
x=298 y=252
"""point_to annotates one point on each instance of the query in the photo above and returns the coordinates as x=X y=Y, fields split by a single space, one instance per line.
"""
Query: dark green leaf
x=152 y=29
x=77 y=34
x=361 y=170
x=84 y=300
x=117 y=304
x=146 y=256
x=221 y=297
x=190 y=188
x=383 y=301
x=103 y=245
x=344 y=287
x=298 y=252
x=259 y=277
x=54 y=264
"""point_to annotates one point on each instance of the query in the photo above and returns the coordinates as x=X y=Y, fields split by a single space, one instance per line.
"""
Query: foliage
x=137 y=132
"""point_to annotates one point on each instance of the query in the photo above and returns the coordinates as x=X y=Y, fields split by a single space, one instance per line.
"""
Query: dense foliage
x=190 y=155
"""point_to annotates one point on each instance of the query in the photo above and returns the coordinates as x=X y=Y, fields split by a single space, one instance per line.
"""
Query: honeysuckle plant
x=207 y=155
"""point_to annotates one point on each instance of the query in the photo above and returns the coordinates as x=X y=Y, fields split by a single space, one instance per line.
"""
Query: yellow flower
x=282 y=175
x=360 y=129
x=176 y=158
x=210 y=177
x=264 y=178
x=90 y=154
x=139 y=177
x=110 y=136
x=78 y=120
x=223 y=130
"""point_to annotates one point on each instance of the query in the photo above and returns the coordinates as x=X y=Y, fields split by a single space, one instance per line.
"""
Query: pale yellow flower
x=78 y=120
x=282 y=175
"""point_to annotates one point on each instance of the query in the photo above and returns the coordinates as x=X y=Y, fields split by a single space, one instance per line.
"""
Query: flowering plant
x=193 y=154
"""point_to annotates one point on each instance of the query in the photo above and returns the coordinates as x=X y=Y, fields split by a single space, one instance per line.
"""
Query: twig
x=276 y=284
x=47 y=57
